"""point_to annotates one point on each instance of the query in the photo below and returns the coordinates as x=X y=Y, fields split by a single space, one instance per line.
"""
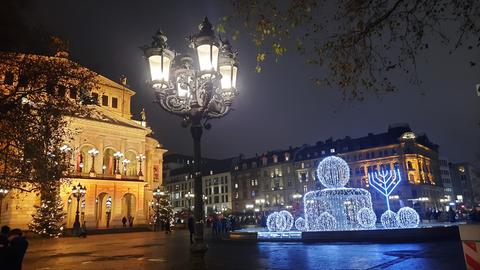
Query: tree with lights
x=48 y=221
x=161 y=211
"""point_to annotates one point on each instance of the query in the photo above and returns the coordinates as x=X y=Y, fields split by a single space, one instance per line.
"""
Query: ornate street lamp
x=93 y=153
x=108 y=210
x=140 y=159
x=189 y=197
x=125 y=163
x=78 y=192
x=197 y=93
x=117 y=155
x=3 y=194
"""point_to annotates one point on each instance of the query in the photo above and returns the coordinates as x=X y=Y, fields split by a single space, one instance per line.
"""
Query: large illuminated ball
x=327 y=222
x=389 y=220
x=300 y=224
x=366 y=218
x=272 y=222
x=407 y=218
x=333 y=172
x=288 y=221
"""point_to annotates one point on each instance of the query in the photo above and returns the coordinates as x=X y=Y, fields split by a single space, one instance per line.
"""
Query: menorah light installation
x=385 y=182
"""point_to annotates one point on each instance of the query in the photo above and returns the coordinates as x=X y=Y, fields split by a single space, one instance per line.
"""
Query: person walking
x=130 y=221
x=4 y=245
x=124 y=222
x=167 y=227
x=191 y=228
x=16 y=250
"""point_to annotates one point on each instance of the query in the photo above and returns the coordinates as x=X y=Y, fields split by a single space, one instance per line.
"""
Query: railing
x=100 y=176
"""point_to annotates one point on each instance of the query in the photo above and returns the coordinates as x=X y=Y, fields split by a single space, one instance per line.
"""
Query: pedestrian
x=124 y=222
x=191 y=228
x=16 y=250
x=4 y=244
x=214 y=226
x=167 y=227
x=130 y=221
x=83 y=233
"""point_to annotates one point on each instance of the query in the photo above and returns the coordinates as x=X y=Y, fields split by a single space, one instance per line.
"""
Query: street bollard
x=470 y=236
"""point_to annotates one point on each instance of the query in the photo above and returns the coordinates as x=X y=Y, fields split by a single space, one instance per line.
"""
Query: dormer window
x=114 y=102
x=264 y=161
x=275 y=158
x=104 y=100
x=287 y=156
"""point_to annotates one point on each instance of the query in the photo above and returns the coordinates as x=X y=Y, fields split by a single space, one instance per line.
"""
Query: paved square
x=153 y=250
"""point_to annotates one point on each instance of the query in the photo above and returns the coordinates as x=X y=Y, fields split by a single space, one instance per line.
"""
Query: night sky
x=278 y=107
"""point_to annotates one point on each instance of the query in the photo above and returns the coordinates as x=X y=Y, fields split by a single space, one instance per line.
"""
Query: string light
x=366 y=218
x=272 y=222
x=327 y=222
x=288 y=220
x=385 y=182
x=407 y=218
x=333 y=172
x=389 y=219
x=300 y=224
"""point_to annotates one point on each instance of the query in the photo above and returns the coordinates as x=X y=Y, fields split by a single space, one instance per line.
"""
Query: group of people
x=221 y=225
x=130 y=221
x=451 y=215
x=13 y=246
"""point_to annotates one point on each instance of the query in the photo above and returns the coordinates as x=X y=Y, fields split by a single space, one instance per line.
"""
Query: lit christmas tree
x=165 y=210
x=48 y=221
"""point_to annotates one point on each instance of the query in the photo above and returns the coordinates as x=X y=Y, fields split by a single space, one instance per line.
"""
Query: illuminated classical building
x=112 y=155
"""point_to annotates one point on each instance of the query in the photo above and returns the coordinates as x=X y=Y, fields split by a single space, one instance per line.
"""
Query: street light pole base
x=199 y=248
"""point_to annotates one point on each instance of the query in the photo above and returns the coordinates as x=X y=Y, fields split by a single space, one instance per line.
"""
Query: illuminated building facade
x=112 y=155
x=216 y=178
x=466 y=184
x=277 y=176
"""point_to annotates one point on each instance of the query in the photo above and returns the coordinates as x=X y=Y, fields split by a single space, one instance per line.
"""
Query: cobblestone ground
x=150 y=250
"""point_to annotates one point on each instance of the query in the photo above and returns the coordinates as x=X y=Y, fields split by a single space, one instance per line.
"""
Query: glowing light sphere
x=333 y=172
x=327 y=222
x=300 y=224
x=272 y=222
x=389 y=220
x=281 y=222
x=407 y=218
x=366 y=217
x=288 y=220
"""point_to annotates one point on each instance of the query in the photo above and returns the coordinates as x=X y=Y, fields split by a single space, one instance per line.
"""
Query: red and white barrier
x=470 y=235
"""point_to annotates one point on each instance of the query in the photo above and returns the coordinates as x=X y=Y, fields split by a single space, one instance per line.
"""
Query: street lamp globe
x=78 y=190
x=206 y=46
x=159 y=59
x=228 y=67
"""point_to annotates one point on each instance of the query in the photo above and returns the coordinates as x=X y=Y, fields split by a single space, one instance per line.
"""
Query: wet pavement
x=153 y=250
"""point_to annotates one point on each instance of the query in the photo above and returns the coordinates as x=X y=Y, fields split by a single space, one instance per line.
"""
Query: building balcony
x=99 y=176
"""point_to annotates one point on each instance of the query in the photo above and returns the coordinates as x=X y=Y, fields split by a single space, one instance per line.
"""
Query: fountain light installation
x=337 y=208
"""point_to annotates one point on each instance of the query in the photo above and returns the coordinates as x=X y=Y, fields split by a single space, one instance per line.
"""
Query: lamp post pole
x=93 y=153
x=197 y=94
x=140 y=159
x=78 y=191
